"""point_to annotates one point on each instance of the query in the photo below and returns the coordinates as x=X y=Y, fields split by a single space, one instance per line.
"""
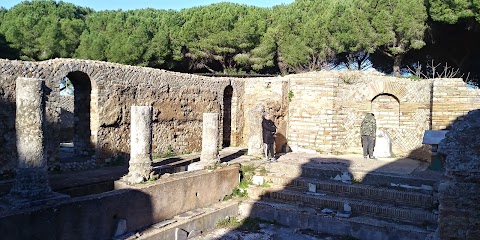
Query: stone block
x=181 y=234
x=121 y=228
x=258 y=180
x=164 y=223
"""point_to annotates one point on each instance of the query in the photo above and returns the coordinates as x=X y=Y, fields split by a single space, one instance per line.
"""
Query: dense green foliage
x=232 y=38
x=44 y=29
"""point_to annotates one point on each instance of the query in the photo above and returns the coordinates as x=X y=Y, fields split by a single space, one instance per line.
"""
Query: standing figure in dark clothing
x=268 y=130
x=368 y=129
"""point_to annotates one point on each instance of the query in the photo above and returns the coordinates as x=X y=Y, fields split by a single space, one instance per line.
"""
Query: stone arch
x=227 y=116
x=85 y=115
x=387 y=87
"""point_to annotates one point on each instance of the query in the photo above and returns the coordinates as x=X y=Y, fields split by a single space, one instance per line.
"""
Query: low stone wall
x=96 y=216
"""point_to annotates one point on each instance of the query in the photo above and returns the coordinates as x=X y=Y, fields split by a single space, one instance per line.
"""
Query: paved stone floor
x=265 y=231
x=347 y=162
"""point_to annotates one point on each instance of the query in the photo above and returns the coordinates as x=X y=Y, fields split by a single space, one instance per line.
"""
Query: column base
x=200 y=165
x=12 y=202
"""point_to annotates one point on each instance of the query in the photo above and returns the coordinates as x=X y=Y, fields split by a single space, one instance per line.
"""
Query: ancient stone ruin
x=125 y=112
x=459 y=191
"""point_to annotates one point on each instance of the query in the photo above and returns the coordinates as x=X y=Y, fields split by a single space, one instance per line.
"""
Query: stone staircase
x=364 y=210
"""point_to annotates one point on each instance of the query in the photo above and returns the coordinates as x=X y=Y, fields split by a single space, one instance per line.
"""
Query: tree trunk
x=397 y=62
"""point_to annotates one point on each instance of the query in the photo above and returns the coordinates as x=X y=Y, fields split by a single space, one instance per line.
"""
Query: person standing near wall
x=368 y=129
x=268 y=132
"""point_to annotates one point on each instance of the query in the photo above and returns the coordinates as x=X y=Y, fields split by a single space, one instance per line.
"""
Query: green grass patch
x=265 y=184
x=229 y=222
x=247 y=224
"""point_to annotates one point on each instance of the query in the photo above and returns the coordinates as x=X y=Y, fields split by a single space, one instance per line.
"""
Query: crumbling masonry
x=318 y=111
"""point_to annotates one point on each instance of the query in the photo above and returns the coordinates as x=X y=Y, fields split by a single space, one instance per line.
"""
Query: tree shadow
x=396 y=178
x=306 y=187
x=89 y=217
x=233 y=156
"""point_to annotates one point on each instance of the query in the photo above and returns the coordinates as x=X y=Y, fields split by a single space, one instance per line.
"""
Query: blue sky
x=99 y=5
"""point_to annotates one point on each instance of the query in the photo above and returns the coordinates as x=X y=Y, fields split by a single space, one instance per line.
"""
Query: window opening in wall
x=75 y=118
x=227 y=116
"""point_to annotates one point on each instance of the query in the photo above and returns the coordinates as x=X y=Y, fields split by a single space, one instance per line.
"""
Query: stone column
x=459 y=191
x=31 y=181
x=140 y=164
x=210 y=138
x=255 y=140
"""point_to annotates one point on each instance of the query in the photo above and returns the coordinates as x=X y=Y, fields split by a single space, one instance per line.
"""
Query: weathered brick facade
x=325 y=109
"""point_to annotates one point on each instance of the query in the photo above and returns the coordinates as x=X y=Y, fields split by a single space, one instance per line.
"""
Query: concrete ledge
x=96 y=216
x=207 y=219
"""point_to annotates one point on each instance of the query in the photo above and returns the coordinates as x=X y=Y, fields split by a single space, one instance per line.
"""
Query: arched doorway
x=227 y=116
x=386 y=108
x=78 y=121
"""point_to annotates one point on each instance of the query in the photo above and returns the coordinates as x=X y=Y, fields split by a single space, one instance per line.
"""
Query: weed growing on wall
x=349 y=77
x=246 y=176
x=290 y=95
x=262 y=171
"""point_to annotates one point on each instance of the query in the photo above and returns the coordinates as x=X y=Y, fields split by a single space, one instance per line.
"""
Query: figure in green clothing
x=368 y=129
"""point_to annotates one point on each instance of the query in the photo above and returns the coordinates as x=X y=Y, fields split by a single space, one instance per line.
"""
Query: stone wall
x=325 y=109
x=459 y=191
x=104 y=93
x=317 y=111
x=271 y=94
x=451 y=99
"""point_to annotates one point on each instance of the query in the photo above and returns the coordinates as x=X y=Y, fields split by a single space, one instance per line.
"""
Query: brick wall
x=327 y=108
x=451 y=99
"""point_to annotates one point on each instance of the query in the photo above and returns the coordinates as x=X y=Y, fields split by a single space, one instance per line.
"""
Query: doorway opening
x=78 y=134
x=227 y=116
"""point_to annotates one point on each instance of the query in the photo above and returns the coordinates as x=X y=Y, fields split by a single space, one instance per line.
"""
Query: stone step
x=358 y=206
x=358 y=227
x=355 y=190
x=421 y=181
